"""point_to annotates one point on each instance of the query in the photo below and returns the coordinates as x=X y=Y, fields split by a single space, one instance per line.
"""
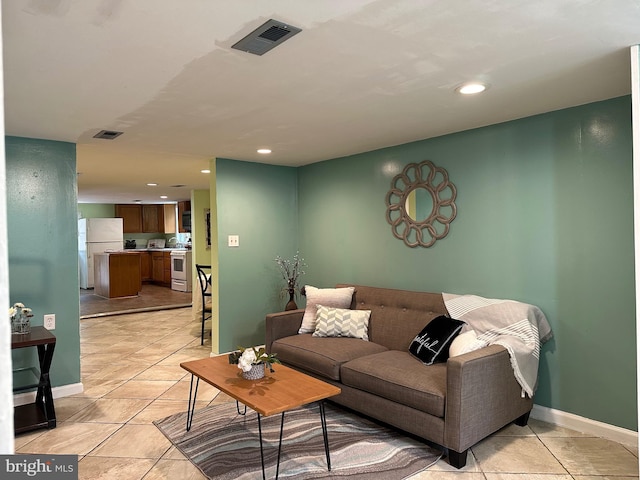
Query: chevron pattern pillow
x=342 y=322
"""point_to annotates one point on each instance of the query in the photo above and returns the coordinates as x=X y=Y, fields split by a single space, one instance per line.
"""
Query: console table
x=41 y=413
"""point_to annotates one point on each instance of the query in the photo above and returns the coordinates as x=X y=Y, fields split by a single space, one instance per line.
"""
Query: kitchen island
x=117 y=274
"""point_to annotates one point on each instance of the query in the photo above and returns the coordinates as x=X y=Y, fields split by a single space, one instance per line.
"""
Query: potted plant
x=253 y=361
x=291 y=271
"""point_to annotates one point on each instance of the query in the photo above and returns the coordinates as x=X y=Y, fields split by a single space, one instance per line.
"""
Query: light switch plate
x=234 y=240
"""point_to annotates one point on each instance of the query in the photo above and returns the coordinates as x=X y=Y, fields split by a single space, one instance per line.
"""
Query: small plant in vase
x=291 y=271
x=253 y=361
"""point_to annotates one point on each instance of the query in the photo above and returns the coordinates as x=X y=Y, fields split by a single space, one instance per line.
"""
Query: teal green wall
x=43 y=245
x=258 y=203
x=545 y=216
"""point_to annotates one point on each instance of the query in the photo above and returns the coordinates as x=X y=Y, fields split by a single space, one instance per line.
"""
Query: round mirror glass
x=419 y=205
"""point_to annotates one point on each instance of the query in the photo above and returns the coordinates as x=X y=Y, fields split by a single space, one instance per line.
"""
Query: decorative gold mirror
x=421 y=204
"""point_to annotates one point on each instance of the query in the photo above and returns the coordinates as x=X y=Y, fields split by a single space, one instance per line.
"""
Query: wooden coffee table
x=282 y=390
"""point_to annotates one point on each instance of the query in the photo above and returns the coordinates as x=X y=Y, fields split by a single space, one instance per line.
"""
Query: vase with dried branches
x=291 y=271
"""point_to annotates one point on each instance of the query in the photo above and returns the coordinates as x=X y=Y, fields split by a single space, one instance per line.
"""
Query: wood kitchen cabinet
x=141 y=218
x=183 y=207
x=152 y=218
x=157 y=267
x=145 y=266
x=161 y=268
x=170 y=223
x=131 y=217
x=167 y=268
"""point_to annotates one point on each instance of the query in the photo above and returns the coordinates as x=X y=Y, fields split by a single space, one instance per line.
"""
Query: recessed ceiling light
x=264 y=151
x=152 y=184
x=163 y=196
x=471 y=88
x=205 y=171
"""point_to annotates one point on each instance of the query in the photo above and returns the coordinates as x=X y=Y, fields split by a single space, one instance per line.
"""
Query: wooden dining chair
x=204 y=279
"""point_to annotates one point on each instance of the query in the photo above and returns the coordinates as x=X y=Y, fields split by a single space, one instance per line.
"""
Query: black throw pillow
x=431 y=345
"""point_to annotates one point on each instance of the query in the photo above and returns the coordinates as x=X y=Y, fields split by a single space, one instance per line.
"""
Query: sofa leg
x=522 y=420
x=458 y=459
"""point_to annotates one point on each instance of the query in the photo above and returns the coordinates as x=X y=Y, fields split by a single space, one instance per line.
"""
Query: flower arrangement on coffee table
x=252 y=361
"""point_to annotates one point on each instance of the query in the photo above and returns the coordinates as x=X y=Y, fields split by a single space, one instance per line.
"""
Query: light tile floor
x=131 y=375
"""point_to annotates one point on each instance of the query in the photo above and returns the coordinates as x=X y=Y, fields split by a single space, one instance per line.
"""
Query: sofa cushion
x=399 y=377
x=396 y=315
x=329 y=297
x=322 y=355
x=342 y=322
x=431 y=345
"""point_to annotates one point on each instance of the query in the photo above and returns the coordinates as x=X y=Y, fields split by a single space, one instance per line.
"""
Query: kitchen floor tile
x=515 y=455
x=110 y=468
x=136 y=441
x=111 y=410
x=178 y=469
x=71 y=438
x=592 y=456
x=141 y=389
x=160 y=409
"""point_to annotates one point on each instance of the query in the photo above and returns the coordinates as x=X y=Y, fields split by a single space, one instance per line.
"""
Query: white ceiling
x=362 y=74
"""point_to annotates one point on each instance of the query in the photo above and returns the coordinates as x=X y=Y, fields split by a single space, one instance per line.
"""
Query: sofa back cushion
x=397 y=316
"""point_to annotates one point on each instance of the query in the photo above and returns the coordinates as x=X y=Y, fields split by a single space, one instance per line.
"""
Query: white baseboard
x=58 y=392
x=585 y=425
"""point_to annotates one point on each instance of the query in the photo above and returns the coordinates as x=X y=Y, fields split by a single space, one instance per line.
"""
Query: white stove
x=181 y=276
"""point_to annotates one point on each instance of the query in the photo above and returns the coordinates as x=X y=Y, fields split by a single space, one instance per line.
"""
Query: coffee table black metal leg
x=279 y=446
x=238 y=408
x=323 y=420
x=192 y=402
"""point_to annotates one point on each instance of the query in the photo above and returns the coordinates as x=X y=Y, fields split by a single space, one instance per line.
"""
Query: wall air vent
x=265 y=37
x=107 y=134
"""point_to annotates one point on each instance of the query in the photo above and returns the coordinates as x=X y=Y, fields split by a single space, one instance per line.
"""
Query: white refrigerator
x=96 y=235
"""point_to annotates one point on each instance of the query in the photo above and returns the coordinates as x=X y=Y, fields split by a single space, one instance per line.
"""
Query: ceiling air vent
x=107 y=134
x=265 y=37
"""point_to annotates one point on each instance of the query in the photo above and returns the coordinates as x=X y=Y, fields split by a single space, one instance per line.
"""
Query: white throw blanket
x=519 y=327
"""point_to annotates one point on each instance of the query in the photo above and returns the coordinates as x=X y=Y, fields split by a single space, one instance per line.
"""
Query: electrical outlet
x=234 y=240
x=50 y=321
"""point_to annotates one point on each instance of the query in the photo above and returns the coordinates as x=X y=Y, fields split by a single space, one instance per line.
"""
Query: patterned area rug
x=225 y=445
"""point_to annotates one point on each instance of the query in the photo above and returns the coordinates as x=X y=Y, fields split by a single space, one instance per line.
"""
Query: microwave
x=186 y=221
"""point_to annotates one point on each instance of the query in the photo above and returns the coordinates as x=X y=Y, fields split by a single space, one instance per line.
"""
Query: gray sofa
x=453 y=404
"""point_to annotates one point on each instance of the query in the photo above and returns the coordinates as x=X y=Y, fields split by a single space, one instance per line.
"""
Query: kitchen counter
x=117 y=274
x=167 y=249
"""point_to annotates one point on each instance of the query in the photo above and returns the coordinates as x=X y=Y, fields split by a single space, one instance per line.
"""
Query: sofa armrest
x=282 y=324
x=482 y=396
